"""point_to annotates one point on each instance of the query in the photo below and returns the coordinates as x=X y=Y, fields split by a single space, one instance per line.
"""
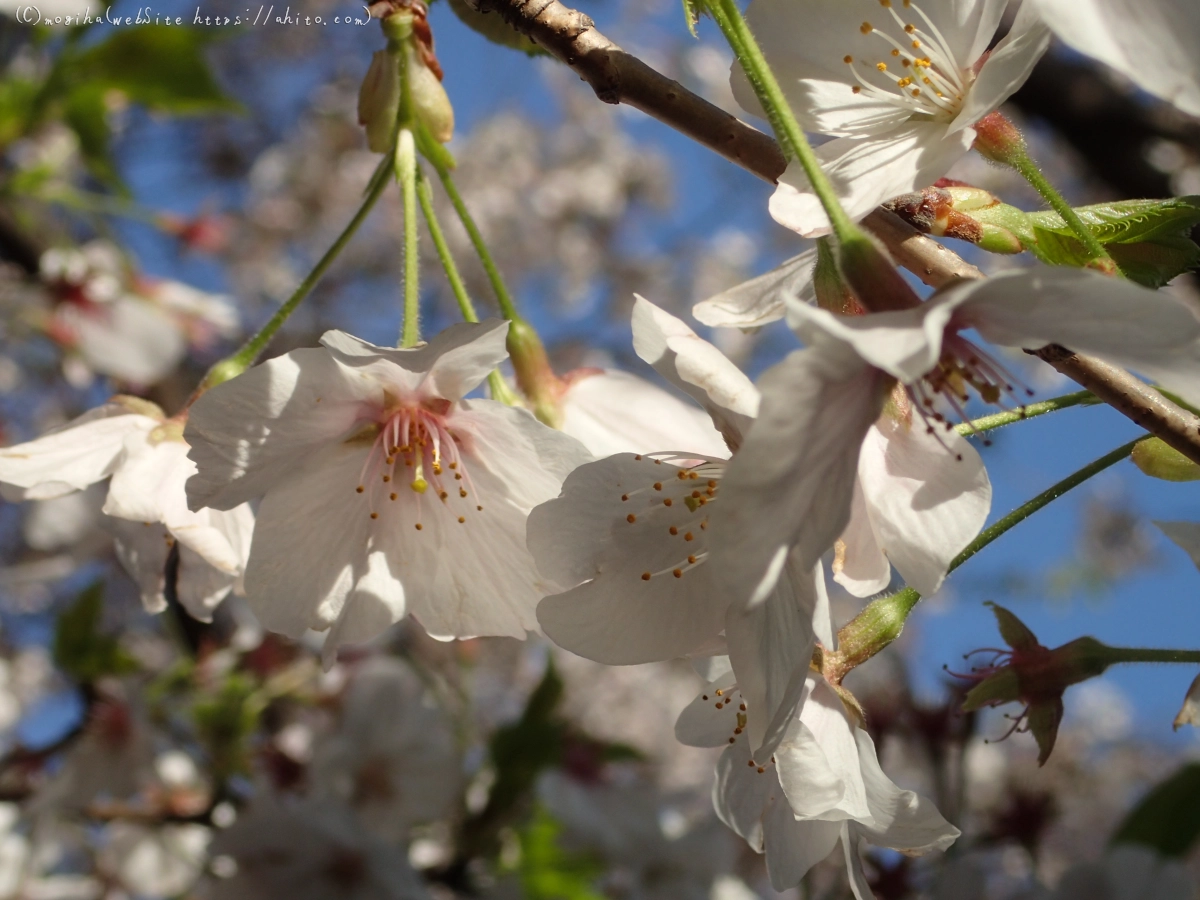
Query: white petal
x=901 y=820
x=1185 y=536
x=701 y=724
x=793 y=847
x=771 y=647
x=791 y=483
x=696 y=366
x=928 y=496
x=70 y=458
x=128 y=339
x=852 y=848
x=860 y=565
x=256 y=429
x=905 y=344
x=616 y=412
x=1152 y=44
x=1128 y=325
x=142 y=551
x=199 y=586
x=741 y=795
x=311 y=546
x=866 y=171
x=528 y=458
x=619 y=617
x=1006 y=69
x=760 y=300
x=376 y=601
x=818 y=762
x=450 y=365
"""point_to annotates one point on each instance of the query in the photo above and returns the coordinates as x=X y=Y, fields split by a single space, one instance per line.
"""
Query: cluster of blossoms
x=345 y=487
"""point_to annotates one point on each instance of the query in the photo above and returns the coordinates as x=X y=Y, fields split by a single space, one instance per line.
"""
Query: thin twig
x=618 y=77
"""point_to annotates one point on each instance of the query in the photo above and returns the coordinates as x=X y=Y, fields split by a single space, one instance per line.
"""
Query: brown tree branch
x=618 y=77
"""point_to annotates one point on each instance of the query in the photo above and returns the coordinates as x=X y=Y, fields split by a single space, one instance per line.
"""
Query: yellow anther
x=865 y=28
x=374 y=515
x=631 y=518
x=462 y=492
x=916 y=92
x=419 y=526
x=847 y=59
x=909 y=29
x=881 y=66
x=359 y=489
x=393 y=496
x=689 y=536
x=667 y=502
x=895 y=53
x=658 y=485
x=462 y=519
x=678 y=573
x=855 y=89
x=645 y=576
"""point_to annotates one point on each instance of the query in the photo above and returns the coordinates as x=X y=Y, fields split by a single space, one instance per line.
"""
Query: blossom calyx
x=1036 y=676
x=997 y=139
x=1164 y=462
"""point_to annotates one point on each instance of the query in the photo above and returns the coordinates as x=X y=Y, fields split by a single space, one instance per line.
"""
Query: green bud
x=832 y=292
x=379 y=100
x=535 y=377
x=430 y=100
x=1159 y=460
x=222 y=372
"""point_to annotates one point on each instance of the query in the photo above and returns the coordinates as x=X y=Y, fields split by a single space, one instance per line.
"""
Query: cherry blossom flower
x=791 y=487
x=610 y=411
x=1155 y=45
x=396 y=770
x=815 y=782
x=897 y=87
x=384 y=491
x=142 y=453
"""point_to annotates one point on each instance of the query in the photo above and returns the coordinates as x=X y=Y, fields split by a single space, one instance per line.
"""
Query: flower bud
x=950 y=209
x=379 y=100
x=1159 y=460
x=997 y=139
x=430 y=100
x=535 y=377
x=832 y=292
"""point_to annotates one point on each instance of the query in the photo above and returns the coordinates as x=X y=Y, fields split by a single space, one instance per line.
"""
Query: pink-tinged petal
x=900 y=820
x=311 y=547
x=905 y=344
x=1006 y=68
x=986 y=16
x=697 y=367
x=1148 y=331
x=818 y=761
x=860 y=565
x=760 y=300
x=1154 y=45
x=529 y=460
x=80 y=453
x=770 y=648
x=1185 y=536
x=865 y=171
x=253 y=431
x=928 y=496
x=453 y=363
x=578 y=536
x=790 y=485
x=615 y=412
x=702 y=723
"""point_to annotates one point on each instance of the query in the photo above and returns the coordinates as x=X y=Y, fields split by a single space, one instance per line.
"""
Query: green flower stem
x=406 y=173
x=500 y=389
x=503 y=298
x=234 y=365
x=882 y=621
x=1030 y=411
x=459 y=289
x=1114 y=655
x=1028 y=169
x=791 y=136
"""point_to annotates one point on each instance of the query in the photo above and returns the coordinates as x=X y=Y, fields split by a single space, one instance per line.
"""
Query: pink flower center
x=415 y=452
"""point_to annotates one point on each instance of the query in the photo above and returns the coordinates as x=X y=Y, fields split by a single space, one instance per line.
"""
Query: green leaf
x=691 y=15
x=224 y=721
x=495 y=29
x=1058 y=249
x=521 y=751
x=1130 y=221
x=159 y=66
x=1168 y=818
x=1156 y=261
x=80 y=649
x=548 y=872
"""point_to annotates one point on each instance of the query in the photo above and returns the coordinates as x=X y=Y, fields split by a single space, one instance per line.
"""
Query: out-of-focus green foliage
x=81 y=650
x=1168 y=818
x=547 y=871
